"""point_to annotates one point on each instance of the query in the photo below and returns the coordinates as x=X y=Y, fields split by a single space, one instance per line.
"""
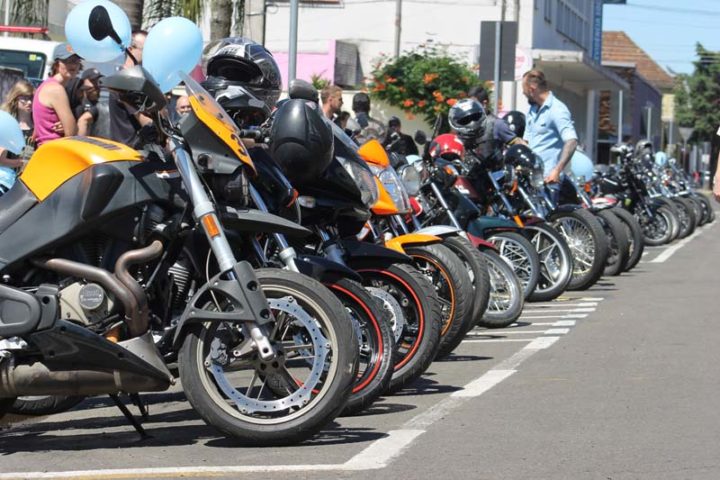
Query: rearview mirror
x=420 y=137
x=101 y=26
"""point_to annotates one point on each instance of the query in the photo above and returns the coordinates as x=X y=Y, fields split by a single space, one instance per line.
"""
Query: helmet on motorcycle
x=447 y=146
x=516 y=122
x=521 y=157
x=467 y=118
x=238 y=101
x=243 y=62
x=581 y=165
x=302 y=142
x=643 y=147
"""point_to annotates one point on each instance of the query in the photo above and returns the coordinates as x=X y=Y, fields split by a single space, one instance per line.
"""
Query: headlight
x=363 y=180
x=538 y=179
x=394 y=186
x=411 y=179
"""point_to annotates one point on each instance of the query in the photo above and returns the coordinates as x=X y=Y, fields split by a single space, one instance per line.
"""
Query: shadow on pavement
x=425 y=386
x=384 y=409
x=463 y=358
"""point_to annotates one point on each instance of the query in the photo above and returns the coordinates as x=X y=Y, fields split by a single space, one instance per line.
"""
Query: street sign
x=686 y=133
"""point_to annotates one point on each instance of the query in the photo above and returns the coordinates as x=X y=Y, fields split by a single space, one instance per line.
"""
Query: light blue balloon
x=173 y=45
x=581 y=165
x=11 y=136
x=77 y=31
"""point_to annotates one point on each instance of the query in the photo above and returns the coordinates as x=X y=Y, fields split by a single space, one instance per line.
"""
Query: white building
x=560 y=37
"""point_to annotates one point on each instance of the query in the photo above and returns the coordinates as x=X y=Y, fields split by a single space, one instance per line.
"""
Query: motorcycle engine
x=86 y=303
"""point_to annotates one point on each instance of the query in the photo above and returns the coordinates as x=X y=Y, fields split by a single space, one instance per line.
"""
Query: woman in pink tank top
x=52 y=115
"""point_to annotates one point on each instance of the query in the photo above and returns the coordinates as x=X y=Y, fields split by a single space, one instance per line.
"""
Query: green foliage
x=319 y=82
x=425 y=81
x=697 y=96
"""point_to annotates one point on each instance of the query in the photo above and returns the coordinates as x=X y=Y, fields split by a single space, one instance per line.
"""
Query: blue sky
x=668 y=29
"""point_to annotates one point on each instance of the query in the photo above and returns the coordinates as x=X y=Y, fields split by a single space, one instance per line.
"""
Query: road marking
x=564 y=323
x=563 y=305
x=484 y=383
x=507 y=332
x=576 y=315
x=556 y=310
x=557 y=331
x=670 y=251
x=382 y=451
x=498 y=340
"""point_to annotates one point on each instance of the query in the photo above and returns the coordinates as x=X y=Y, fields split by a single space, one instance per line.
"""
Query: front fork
x=206 y=216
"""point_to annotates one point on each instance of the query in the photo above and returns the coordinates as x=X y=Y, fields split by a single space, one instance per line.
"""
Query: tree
x=697 y=96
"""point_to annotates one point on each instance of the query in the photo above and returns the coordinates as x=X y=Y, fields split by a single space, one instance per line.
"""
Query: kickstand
x=141 y=405
x=133 y=421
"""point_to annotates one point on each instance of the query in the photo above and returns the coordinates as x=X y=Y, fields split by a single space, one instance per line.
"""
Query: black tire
x=376 y=344
x=522 y=256
x=618 y=243
x=44 y=405
x=697 y=210
x=453 y=286
x=5 y=404
x=588 y=244
x=635 y=237
x=318 y=320
x=556 y=263
x=506 y=298
x=659 y=229
x=686 y=215
x=477 y=265
x=419 y=336
x=708 y=211
x=675 y=223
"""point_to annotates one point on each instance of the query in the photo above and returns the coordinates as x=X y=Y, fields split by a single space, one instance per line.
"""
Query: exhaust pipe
x=122 y=285
x=37 y=379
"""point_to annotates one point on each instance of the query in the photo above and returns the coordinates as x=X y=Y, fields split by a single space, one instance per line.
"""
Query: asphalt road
x=618 y=382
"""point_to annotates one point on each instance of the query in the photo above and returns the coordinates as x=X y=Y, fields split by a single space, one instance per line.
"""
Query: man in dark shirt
x=398 y=142
x=496 y=134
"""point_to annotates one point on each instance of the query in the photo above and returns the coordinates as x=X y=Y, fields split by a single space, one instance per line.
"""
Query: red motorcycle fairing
x=481 y=243
x=465 y=187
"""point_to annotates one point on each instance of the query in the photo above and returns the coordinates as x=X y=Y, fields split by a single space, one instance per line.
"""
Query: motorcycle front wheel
x=44 y=405
x=636 y=242
x=658 y=229
x=686 y=215
x=556 y=263
x=522 y=256
x=477 y=266
x=506 y=295
x=288 y=398
x=588 y=243
x=618 y=243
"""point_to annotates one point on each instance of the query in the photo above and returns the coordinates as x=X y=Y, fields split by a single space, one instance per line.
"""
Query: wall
x=545 y=34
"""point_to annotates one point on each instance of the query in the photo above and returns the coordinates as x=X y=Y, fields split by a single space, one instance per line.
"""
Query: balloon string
x=127 y=50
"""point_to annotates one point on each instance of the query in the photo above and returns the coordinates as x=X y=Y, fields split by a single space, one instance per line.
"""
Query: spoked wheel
x=506 y=297
x=446 y=272
x=556 y=263
x=416 y=316
x=588 y=244
x=376 y=344
x=636 y=242
x=522 y=256
x=657 y=230
x=284 y=399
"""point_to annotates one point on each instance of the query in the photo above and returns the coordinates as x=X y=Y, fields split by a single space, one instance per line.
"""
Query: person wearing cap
x=398 y=142
x=85 y=108
x=52 y=115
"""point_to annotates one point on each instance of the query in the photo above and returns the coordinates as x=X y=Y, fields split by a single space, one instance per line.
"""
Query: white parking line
x=497 y=340
x=559 y=304
x=670 y=251
x=557 y=331
x=484 y=383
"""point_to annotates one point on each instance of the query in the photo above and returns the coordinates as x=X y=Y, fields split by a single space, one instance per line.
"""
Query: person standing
x=52 y=115
x=18 y=103
x=366 y=127
x=550 y=131
x=398 y=142
x=332 y=101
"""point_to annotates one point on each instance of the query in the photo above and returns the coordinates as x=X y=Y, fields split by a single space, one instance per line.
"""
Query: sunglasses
x=25 y=98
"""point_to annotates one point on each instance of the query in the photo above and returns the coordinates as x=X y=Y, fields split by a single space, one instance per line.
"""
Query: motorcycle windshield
x=212 y=115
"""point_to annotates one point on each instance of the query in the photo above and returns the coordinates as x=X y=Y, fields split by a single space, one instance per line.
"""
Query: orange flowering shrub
x=425 y=81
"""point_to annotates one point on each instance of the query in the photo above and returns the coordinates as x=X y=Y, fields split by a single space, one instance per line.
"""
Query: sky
x=668 y=29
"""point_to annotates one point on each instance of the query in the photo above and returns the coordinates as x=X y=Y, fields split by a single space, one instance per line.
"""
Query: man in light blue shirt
x=550 y=131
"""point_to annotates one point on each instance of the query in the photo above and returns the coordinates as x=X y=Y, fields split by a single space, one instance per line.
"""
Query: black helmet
x=302 y=142
x=522 y=158
x=238 y=101
x=467 y=118
x=248 y=64
x=516 y=122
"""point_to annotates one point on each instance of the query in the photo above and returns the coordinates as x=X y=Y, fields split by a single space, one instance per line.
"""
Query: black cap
x=394 y=122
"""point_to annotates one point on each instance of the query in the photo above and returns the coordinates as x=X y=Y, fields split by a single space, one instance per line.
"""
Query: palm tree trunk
x=221 y=21
x=134 y=11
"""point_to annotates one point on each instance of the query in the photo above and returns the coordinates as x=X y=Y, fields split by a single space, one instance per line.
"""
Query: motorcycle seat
x=14 y=204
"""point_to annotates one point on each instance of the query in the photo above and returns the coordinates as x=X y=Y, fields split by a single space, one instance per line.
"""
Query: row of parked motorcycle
x=283 y=272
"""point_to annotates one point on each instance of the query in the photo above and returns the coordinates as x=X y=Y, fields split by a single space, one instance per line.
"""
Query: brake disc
x=301 y=396
x=390 y=304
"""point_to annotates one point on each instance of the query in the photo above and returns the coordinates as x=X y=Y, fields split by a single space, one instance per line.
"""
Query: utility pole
x=292 y=57
x=7 y=15
x=398 y=26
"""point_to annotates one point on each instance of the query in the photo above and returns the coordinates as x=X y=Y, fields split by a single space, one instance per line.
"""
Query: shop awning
x=575 y=71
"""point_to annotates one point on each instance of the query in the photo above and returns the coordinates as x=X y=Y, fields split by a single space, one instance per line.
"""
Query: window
x=573 y=21
x=548 y=10
x=31 y=64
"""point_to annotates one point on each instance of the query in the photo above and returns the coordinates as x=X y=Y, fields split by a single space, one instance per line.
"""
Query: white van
x=31 y=58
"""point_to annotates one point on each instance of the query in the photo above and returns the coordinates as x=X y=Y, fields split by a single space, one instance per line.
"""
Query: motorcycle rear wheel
x=216 y=355
x=44 y=405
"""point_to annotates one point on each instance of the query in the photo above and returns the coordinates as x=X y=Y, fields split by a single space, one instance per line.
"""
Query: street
x=617 y=382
